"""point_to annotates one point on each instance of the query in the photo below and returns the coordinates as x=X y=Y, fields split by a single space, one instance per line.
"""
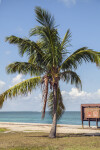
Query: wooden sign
x=90 y=112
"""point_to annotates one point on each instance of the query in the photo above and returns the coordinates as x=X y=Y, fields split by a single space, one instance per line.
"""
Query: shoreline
x=38 y=127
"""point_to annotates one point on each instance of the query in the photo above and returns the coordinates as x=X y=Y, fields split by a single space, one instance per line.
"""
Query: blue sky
x=17 y=17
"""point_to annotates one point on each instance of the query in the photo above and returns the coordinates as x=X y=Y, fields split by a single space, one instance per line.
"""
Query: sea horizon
x=37 y=111
x=69 y=117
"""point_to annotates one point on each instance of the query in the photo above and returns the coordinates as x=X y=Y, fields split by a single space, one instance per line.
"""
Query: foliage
x=3 y=130
x=60 y=105
x=20 y=89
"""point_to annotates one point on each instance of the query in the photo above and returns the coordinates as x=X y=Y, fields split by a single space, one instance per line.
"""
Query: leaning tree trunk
x=45 y=94
x=54 y=123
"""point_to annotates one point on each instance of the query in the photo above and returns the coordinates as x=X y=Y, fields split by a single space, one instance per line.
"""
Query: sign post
x=90 y=112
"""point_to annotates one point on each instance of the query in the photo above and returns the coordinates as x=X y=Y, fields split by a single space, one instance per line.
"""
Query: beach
x=36 y=127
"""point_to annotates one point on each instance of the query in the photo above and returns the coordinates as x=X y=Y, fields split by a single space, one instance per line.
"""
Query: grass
x=3 y=130
x=40 y=141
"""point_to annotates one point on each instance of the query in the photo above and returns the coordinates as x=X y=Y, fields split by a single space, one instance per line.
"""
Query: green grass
x=40 y=141
x=3 y=130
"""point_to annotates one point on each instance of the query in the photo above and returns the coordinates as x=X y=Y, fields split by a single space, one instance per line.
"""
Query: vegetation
x=3 y=130
x=49 y=61
x=40 y=141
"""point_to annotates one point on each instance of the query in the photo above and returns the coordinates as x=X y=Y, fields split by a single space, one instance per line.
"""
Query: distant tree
x=46 y=61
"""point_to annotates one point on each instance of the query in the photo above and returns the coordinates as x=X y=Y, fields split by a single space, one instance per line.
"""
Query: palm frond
x=44 y=18
x=24 y=68
x=60 y=105
x=40 y=31
x=25 y=45
x=50 y=43
x=20 y=89
x=66 y=40
x=82 y=54
x=48 y=35
x=72 y=77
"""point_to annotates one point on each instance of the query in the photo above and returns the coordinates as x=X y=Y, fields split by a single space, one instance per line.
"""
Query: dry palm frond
x=60 y=105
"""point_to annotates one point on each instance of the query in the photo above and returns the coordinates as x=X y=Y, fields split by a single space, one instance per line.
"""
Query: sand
x=36 y=127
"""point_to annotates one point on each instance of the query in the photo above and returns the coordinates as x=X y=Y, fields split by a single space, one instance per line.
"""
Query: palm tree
x=49 y=62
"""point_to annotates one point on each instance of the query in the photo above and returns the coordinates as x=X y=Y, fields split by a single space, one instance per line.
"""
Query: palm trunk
x=54 y=122
x=45 y=97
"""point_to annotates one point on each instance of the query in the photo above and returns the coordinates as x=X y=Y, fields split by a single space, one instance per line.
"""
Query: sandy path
x=34 y=127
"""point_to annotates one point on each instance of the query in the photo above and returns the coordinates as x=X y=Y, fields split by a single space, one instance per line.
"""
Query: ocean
x=69 y=117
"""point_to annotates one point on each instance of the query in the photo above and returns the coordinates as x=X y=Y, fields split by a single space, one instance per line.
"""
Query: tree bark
x=45 y=94
x=54 y=122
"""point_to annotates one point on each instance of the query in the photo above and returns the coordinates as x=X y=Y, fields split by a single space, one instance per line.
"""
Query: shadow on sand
x=67 y=135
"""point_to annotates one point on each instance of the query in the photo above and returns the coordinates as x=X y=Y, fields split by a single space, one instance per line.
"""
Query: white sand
x=35 y=127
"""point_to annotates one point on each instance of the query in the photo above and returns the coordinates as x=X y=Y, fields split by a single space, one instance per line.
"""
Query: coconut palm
x=48 y=63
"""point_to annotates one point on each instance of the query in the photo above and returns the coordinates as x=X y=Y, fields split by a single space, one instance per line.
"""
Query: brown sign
x=90 y=112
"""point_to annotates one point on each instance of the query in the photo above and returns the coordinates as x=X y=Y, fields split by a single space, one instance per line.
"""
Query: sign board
x=90 y=112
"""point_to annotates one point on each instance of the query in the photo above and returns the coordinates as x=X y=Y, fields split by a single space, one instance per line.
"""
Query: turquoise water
x=69 y=117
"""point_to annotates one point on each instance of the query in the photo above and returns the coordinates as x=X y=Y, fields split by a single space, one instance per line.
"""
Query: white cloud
x=76 y=93
x=17 y=79
x=75 y=98
x=2 y=85
x=69 y=2
x=80 y=95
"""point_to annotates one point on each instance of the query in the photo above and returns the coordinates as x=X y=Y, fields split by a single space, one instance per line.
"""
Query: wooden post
x=89 y=123
x=82 y=115
x=97 y=122
x=82 y=124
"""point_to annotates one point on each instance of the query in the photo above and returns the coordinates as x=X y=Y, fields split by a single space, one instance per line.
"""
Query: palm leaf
x=50 y=43
x=24 y=68
x=25 y=45
x=49 y=36
x=40 y=31
x=82 y=54
x=20 y=89
x=44 y=18
x=72 y=77
x=66 y=40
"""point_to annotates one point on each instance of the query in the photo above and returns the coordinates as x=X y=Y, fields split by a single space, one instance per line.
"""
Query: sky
x=82 y=17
